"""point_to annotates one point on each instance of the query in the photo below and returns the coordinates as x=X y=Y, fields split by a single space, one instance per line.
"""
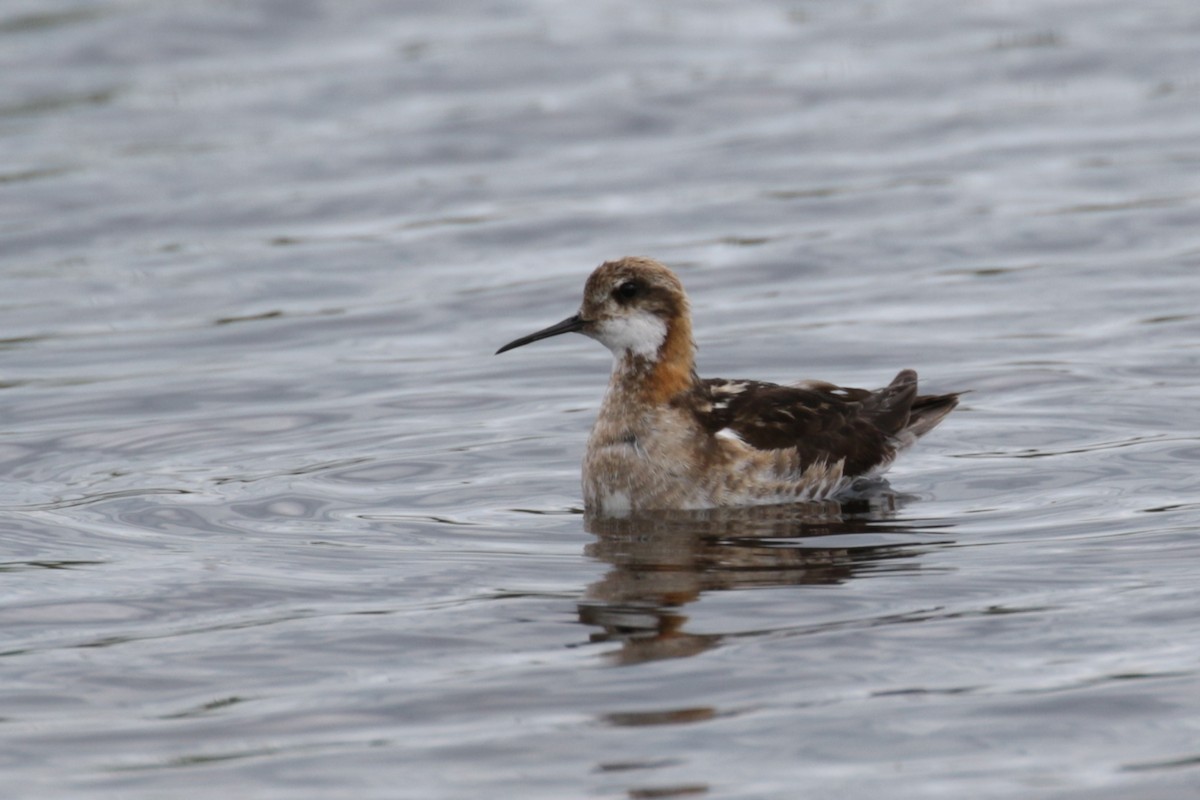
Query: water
x=277 y=524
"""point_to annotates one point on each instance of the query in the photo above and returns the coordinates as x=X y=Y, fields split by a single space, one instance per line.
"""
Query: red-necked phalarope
x=666 y=439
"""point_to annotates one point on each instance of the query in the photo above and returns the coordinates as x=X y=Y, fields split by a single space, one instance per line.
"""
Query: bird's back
x=821 y=421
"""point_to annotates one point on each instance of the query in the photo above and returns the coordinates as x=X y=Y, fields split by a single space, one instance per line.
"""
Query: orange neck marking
x=676 y=365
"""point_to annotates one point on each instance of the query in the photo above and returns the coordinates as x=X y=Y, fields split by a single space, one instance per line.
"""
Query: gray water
x=276 y=524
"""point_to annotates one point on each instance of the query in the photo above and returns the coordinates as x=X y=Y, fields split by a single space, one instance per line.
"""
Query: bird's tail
x=927 y=411
x=898 y=408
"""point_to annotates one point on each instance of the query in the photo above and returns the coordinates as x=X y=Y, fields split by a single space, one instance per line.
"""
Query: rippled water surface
x=276 y=523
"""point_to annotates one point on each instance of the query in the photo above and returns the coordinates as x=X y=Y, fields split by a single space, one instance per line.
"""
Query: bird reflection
x=663 y=561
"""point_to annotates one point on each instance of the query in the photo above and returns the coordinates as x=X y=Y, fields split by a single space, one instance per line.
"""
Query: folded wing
x=822 y=421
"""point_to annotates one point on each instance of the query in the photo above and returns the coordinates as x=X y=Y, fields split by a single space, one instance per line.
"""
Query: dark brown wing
x=822 y=421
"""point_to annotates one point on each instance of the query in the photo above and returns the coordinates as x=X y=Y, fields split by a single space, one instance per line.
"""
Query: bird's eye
x=627 y=290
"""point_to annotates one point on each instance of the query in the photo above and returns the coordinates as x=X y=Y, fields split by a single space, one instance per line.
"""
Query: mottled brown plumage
x=820 y=420
x=664 y=438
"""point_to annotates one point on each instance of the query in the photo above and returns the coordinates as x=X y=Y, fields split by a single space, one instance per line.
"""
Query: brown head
x=637 y=308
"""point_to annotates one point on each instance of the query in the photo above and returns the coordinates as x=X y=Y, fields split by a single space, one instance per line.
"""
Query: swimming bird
x=667 y=439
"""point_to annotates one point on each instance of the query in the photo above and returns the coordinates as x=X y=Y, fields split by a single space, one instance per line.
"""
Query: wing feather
x=822 y=421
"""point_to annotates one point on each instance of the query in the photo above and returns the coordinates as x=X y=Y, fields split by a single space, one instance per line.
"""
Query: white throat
x=640 y=334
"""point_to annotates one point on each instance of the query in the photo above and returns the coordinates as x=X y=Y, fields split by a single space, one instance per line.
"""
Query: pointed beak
x=568 y=325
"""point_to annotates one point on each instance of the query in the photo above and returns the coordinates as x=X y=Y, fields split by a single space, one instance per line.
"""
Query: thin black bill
x=568 y=325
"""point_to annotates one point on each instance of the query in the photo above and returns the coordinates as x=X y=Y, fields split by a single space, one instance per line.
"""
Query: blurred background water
x=275 y=523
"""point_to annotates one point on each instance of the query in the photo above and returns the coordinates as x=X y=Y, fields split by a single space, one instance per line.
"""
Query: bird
x=665 y=439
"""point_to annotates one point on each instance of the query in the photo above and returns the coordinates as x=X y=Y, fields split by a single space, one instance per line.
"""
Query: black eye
x=627 y=290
